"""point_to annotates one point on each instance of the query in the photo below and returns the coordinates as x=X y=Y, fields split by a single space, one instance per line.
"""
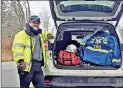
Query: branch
x=29 y=11
x=21 y=9
x=13 y=8
x=45 y=18
x=26 y=12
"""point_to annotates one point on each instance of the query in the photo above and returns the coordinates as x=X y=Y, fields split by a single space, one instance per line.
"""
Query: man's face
x=34 y=24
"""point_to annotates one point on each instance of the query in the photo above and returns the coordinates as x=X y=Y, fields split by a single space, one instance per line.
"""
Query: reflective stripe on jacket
x=22 y=48
x=103 y=48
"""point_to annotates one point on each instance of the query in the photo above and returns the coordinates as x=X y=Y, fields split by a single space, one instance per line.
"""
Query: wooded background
x=15 y=13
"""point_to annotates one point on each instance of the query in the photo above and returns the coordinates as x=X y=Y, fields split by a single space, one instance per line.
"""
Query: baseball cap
x=35 y=18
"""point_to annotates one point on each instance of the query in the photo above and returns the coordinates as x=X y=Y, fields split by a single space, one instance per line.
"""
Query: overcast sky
x=36 y=6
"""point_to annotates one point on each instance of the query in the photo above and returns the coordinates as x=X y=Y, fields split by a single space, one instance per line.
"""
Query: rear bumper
x=70 y=85
x=70 y=81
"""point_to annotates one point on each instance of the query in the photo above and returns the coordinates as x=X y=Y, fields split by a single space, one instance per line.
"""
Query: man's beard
x=35 y=28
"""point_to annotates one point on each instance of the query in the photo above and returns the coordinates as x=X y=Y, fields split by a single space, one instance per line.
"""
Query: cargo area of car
x=74 y=33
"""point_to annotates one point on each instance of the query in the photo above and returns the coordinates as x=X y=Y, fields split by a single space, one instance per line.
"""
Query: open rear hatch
x=82 y=18
x=67 y=10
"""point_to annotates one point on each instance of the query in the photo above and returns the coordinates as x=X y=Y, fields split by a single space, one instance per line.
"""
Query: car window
x=87 y=8
x=72 y=6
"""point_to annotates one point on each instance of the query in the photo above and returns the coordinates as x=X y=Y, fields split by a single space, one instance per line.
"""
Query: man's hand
x=50 y=36
x=21 y=65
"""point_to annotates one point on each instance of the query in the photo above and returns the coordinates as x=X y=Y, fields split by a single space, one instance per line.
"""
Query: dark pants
x=35 y=76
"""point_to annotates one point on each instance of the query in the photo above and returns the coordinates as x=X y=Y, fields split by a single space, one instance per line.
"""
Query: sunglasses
x=35 y=22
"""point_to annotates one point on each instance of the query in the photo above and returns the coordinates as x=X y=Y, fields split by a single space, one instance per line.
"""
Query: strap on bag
x=71 y=59
x=66 y=59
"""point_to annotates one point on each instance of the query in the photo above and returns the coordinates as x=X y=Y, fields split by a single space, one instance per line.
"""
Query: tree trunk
x=29 y=11
x=22 y=15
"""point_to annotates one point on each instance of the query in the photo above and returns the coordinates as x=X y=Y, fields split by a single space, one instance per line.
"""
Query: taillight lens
x=46 y=81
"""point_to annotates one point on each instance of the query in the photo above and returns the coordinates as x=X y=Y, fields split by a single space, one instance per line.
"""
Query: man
x=30 y=54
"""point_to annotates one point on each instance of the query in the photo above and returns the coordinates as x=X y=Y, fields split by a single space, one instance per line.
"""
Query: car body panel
x=51 y=70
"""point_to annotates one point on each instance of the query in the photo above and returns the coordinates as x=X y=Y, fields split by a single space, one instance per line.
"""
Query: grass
x=6 y=50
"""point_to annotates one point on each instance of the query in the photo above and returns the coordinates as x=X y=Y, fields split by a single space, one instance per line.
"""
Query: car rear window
x=100 y=6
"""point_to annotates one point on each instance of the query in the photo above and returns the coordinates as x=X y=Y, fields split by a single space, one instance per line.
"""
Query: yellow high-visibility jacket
x=22 y=48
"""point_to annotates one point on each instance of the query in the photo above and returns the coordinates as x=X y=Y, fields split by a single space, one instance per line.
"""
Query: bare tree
x=45 y=18
x=22 y=14
x=17 y=11
x=13 y=16
x=27 y=10
x=13 y=20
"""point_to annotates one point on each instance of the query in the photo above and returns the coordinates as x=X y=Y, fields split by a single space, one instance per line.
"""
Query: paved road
x=10 y=76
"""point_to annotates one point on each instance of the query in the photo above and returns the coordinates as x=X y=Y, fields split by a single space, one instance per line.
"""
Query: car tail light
x=47 y=81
